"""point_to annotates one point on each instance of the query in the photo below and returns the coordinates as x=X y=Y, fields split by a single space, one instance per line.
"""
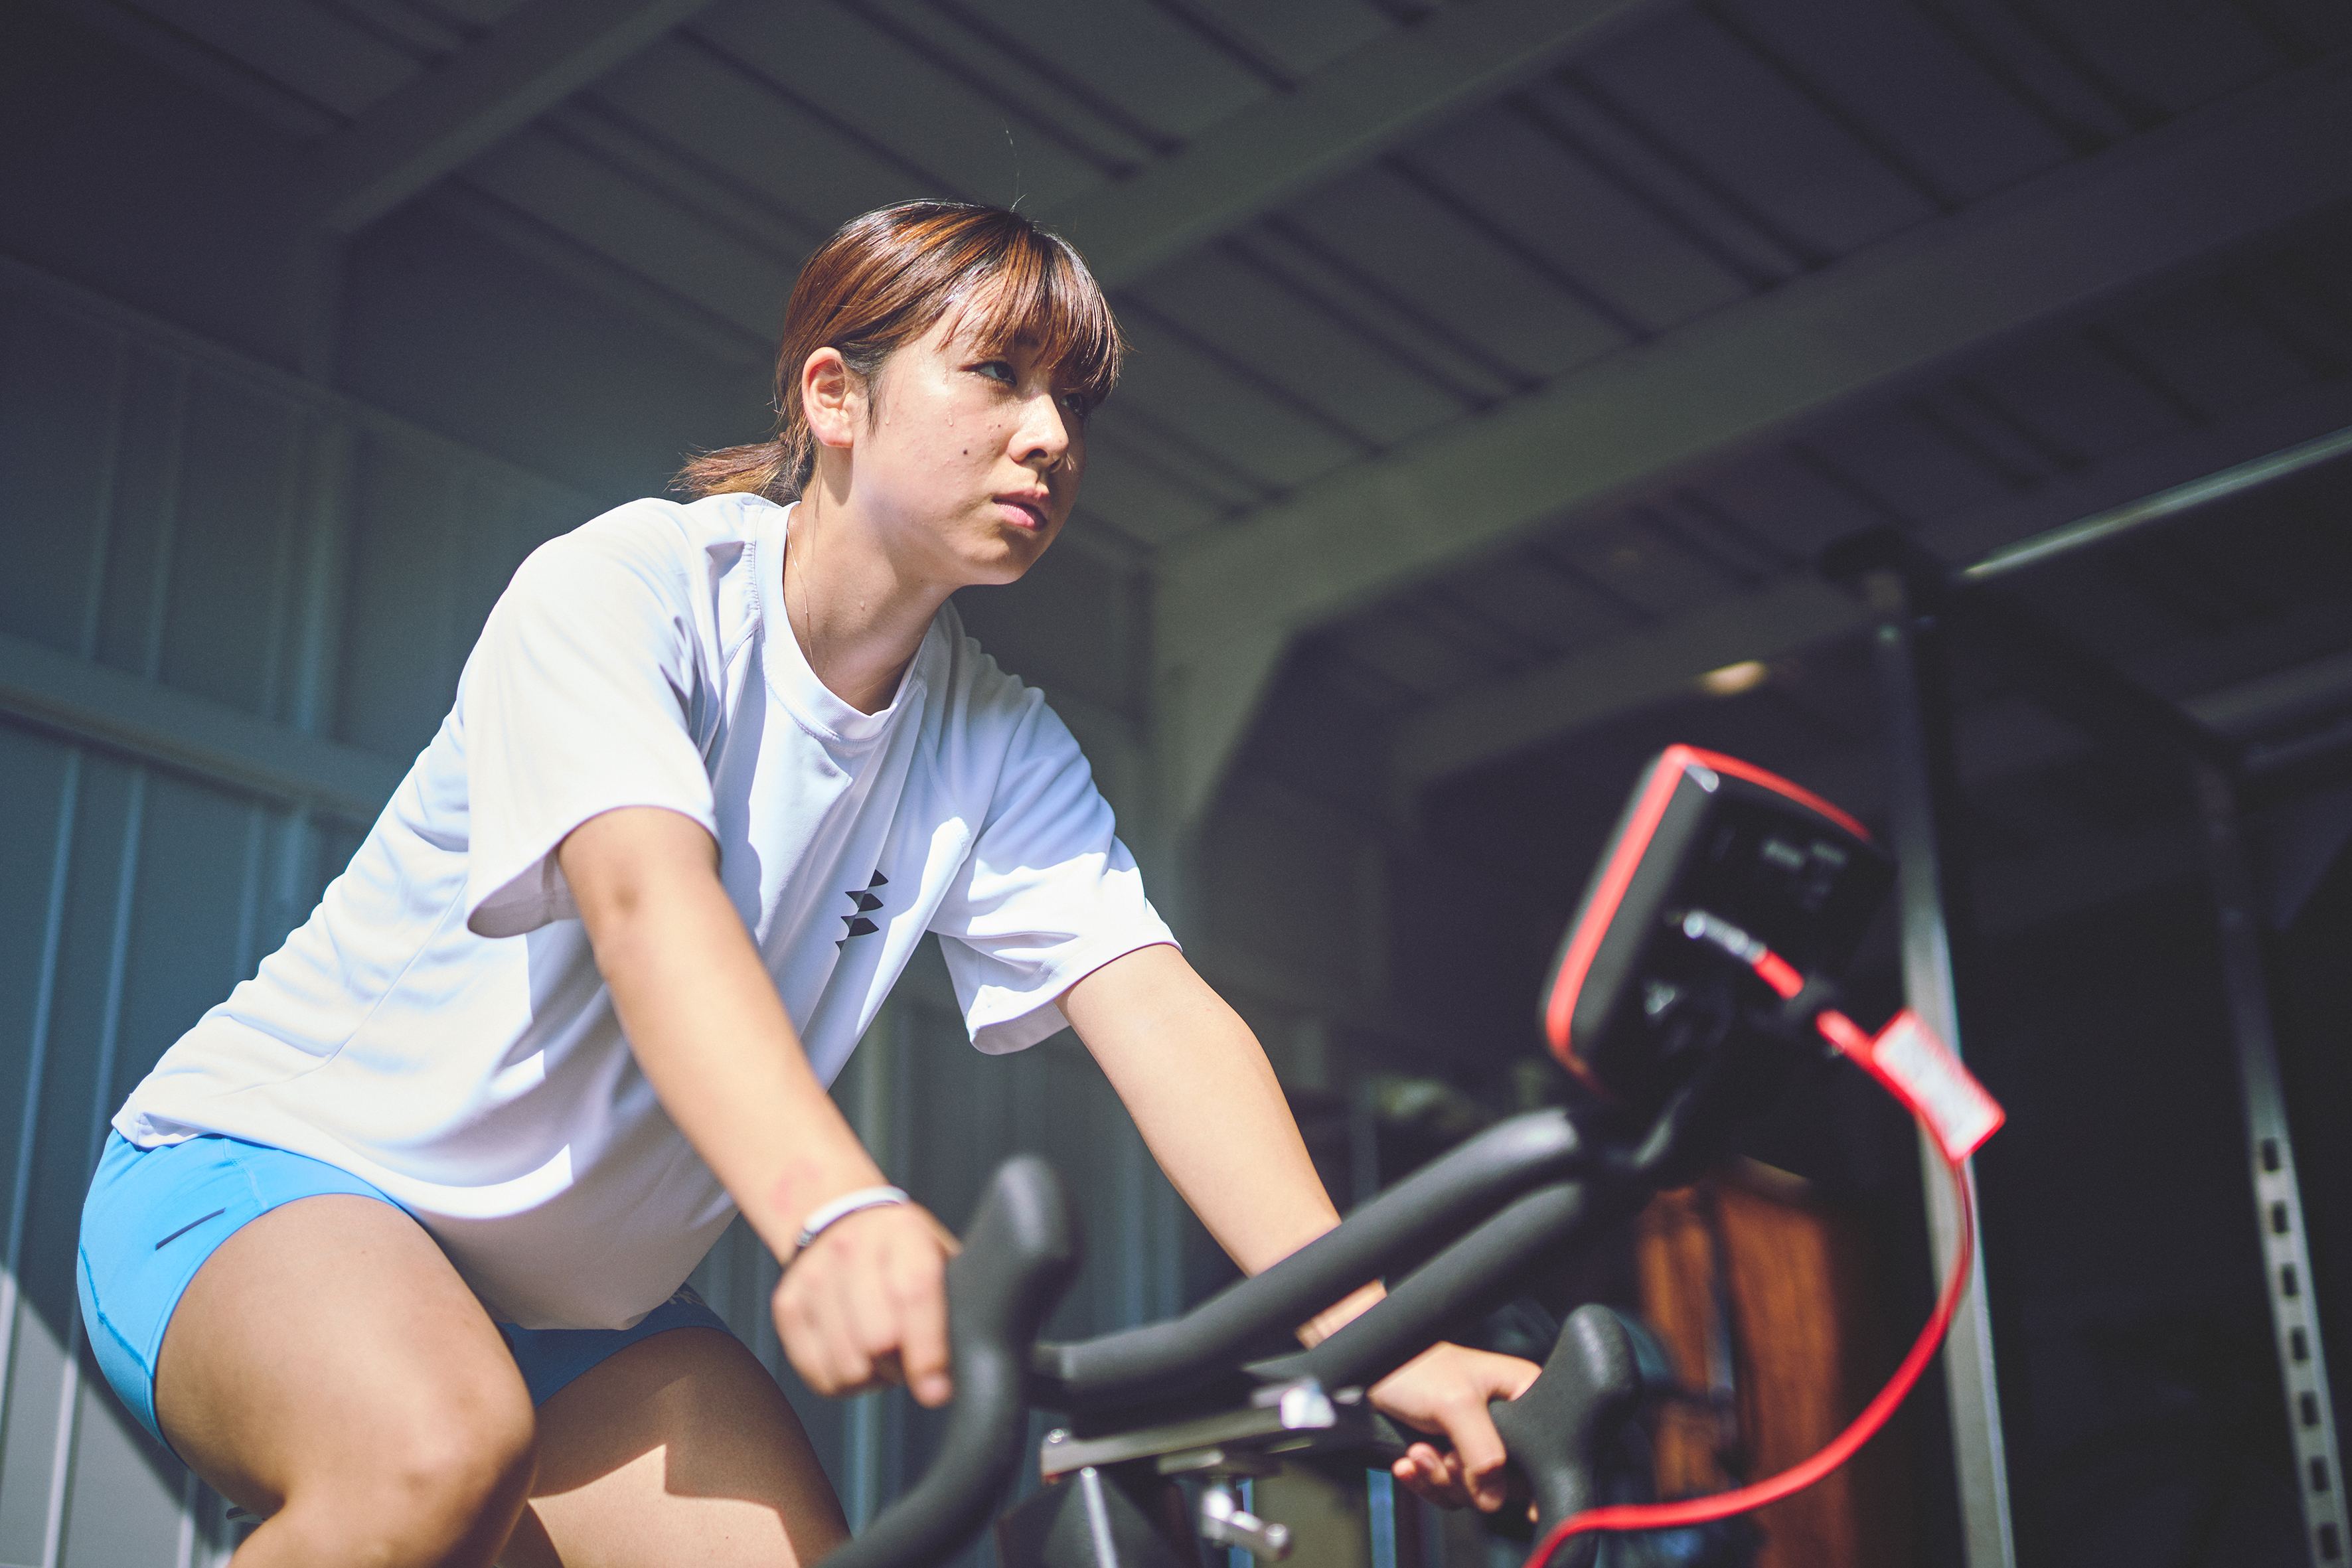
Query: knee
x=440 y=1483
x=456 y=1469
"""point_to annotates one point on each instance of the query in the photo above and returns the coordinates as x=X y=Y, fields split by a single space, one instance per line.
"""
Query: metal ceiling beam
x=1334 y=120
x=1889 y=316
x=541 y=54
x=1486 y=723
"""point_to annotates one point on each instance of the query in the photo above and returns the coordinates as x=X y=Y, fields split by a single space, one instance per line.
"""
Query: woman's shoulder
x=977 y=707
x=658 y=533
x=643 y=553
x=975 y=687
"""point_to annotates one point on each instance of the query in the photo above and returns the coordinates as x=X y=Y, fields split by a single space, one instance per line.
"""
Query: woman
x=388 y=1248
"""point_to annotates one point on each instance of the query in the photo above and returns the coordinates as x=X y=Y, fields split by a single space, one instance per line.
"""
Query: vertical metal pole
x=1918 y=752
x=2278 y=1198
x=874 y=1096
x=1380 y=1517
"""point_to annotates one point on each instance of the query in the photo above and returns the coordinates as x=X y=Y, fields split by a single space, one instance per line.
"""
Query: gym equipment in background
x=1696 y=980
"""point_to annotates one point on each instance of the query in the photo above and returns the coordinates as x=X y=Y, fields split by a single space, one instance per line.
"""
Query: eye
x=996 y=370
x=1076 y=405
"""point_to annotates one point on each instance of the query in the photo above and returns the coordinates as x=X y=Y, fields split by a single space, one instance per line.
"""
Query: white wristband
x=841 y=1207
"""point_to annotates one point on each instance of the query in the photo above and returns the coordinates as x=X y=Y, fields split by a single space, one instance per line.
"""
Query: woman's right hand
x=864 y=1305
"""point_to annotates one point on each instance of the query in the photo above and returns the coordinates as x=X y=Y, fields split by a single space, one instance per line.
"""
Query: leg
x=678 y=1449
x=328 y=1370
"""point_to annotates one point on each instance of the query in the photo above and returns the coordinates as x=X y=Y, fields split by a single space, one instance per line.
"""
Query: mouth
x=1023 y=510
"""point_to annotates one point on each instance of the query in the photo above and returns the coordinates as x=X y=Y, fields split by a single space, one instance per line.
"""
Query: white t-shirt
x=438 y=1027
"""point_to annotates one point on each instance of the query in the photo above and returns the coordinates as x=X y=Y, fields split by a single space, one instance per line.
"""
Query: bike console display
x=1633 y=1005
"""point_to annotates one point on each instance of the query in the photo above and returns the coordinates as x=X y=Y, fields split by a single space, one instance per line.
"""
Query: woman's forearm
x=704 y=1019
x=1210 y=1111
x=1208 y=1105
x=1200 y=1087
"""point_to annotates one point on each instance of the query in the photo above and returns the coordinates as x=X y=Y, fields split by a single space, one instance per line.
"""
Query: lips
x=1030 y=506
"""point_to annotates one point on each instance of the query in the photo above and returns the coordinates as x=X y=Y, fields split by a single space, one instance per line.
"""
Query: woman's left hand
x=1444 y=1391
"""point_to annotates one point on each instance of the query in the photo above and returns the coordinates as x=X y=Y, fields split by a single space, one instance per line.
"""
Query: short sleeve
x=576 y=701
x=1047 y=894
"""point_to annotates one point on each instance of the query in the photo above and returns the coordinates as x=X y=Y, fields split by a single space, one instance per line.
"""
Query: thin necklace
x=808 y=618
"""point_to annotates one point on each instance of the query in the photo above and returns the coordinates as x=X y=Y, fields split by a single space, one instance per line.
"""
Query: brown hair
x=886 y=278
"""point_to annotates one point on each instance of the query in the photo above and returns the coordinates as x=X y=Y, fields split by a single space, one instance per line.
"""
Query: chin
x=1017 y=551
x=996 y=574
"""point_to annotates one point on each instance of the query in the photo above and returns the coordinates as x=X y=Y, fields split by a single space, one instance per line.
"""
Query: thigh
x=326 y=1353
x=680 y=1448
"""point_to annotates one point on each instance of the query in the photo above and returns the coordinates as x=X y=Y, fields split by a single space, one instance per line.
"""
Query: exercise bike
x=1696 y=980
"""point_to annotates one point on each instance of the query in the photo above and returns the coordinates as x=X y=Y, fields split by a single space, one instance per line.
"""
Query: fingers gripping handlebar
x=1525 y=1189
x=1020 y=1251
x=1019 y=1255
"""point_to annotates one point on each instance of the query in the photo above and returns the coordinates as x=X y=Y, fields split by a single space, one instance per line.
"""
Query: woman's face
x=968 y=460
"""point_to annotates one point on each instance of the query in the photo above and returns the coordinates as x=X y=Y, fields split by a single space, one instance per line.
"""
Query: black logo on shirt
x=867 y=901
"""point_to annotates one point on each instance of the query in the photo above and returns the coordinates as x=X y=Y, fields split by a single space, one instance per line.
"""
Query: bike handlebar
x=1524 y=1188
x=1589 y=1388
x=1019 y=1255
x=1394 y=1231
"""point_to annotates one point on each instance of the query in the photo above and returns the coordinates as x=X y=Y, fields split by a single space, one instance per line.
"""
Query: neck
x=857 y=616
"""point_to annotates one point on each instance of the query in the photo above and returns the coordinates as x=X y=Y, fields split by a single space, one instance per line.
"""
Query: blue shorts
x=154 y=1216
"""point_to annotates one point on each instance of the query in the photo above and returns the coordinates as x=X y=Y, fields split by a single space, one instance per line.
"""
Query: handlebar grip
x=1559 y=1431
x=1019 y=1254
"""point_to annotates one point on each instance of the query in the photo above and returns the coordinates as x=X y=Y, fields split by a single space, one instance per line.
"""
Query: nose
x=1043 y=437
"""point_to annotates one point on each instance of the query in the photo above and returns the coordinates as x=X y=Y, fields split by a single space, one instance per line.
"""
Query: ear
x=832 y=398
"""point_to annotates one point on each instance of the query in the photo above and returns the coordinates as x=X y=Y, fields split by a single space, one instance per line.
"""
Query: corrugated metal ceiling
x=1699 y=158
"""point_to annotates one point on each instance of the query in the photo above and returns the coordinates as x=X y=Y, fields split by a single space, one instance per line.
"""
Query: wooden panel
x=1752 y=1264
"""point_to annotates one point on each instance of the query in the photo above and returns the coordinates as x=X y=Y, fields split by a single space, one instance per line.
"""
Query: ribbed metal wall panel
x=133 y=902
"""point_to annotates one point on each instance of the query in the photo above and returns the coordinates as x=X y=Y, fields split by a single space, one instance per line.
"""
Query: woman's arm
x=712 y=1036
x=1198 y=1085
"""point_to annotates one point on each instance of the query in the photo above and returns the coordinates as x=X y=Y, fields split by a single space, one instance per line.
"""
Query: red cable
x=1846 y=1036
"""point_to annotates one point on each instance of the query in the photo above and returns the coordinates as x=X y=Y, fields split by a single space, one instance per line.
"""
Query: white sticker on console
x=1908 y=1058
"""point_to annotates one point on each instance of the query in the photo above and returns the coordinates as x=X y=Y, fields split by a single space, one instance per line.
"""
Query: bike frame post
x=1922 y=793
x=2278 y=1197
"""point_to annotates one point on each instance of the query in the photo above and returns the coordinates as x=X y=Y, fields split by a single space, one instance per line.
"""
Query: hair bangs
x=1033 y=288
